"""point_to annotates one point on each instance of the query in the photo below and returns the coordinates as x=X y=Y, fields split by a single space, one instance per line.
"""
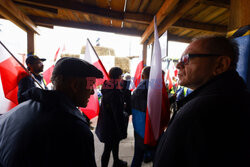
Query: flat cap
x=74 y=67
x=33 y=59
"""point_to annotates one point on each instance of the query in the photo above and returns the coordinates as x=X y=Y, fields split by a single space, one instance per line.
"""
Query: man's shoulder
x=26 y=78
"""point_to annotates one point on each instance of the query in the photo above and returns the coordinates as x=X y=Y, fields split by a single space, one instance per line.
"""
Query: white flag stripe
x=90 y=55
x=155 y=86
x=4 y=54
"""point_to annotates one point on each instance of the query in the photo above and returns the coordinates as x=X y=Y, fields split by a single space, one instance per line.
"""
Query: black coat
x=111 y=124
x=26 y=84
x=211 y=128
x=46 y=131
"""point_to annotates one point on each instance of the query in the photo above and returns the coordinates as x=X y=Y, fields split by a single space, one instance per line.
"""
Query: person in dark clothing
x=111 y=124
x=139 y=107
x=48 y=130
x=127 y=98
x=212 y=124
x=35 y=66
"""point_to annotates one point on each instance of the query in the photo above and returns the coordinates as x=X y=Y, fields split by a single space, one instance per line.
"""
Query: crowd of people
x=209 y=125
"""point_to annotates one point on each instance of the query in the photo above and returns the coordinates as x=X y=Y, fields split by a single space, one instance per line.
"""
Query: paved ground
x=126 y=149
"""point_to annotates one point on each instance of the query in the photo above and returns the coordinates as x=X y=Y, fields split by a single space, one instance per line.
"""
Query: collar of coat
x=224 y=83
x=57 y=98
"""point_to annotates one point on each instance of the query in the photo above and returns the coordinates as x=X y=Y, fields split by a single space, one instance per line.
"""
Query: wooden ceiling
x=184 y=19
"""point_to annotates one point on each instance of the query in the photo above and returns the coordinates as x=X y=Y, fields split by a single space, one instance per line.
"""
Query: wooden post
x=144 y=53
x=239 y=14
x=30 y=42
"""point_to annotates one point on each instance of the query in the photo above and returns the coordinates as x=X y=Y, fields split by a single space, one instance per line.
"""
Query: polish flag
x=171 y=72
x=169 y=80
x=92 y=109
x=48 y=73
x=158 y=112
x=11 y=73
x=137 y=77
x=92 y=57
x=5 y=104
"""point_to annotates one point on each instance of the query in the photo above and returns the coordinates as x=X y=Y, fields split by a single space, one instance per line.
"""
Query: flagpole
x=20 y=64
x=98 y=57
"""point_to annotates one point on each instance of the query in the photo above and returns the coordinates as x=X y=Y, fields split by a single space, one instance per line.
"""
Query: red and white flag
x=92 y=109
x=5 y=104
x=171 y=73
x=137 y=77
x=158 y=113
x=92 y=57
x=11 y=73
x=48 y=73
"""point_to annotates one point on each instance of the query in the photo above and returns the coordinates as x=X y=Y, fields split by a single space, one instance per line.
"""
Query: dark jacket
x=111 y=124
x=139 y=107
x=46 y=131
x=211 y=128
x=26 y=84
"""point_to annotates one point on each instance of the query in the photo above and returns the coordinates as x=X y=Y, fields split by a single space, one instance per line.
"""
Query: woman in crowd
x=111 y=126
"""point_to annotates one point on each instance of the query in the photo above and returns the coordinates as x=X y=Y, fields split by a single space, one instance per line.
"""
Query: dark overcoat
x=46 y=131
x=111 y=124
x=211 y=128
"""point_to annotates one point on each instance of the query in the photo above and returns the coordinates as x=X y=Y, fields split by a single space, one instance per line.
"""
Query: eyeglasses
x=184 y=60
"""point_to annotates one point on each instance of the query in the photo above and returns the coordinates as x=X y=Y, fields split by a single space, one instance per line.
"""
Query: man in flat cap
x=35 y=66
x=48 y=130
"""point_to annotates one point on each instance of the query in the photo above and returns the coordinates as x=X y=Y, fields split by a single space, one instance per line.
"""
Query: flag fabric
x=11 y=73
x=137 y=77
x=48 y=73
x=92 y=109
x=169 y=80
x=5 y=104
x=92 y=57
x=158 y=113
x=171 y=73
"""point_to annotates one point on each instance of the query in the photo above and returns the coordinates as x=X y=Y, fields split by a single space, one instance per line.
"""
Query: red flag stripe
x=137 y=77
x=11 y=73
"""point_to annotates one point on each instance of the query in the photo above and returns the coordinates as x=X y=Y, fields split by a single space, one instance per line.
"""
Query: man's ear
x=222 y=64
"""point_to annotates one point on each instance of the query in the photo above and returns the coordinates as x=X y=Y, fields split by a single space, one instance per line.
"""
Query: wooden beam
x=144 y=53
x=182 y=23
x=45 y=25
x=80 y=7
x=239 y=14
x=89 y=26
x=30 y=42
x=175 y=15
x=165 y=9
x=217 y=3
x=176 y=38
x=41 y=8
x=9 y=11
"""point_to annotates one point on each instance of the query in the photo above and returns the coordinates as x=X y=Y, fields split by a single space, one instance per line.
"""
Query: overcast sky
x=50 y=40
